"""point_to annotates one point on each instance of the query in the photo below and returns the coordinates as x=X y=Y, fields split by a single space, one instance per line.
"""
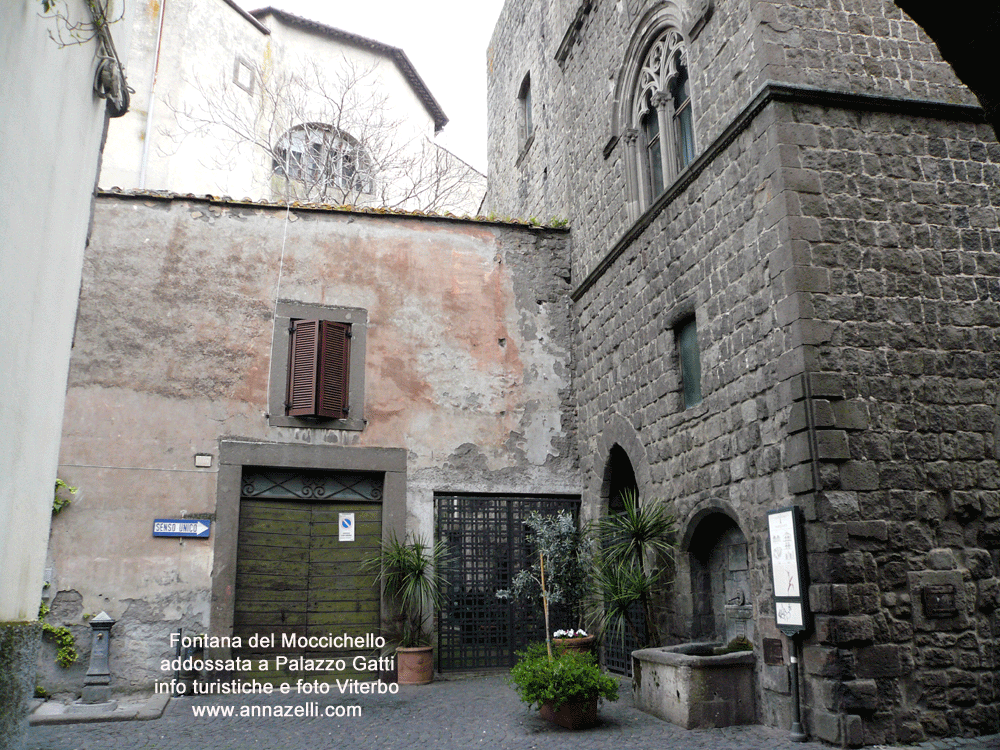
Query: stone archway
x=619 y=478
x=719 y=587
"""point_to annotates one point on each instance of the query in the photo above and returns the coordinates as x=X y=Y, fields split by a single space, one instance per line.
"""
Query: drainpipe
x=149 y=107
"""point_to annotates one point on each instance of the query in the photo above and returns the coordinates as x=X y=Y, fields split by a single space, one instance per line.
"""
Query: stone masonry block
x=941 y=559
x=865 y=598
x=840 y=599
x=806 y=279
x=869 y=529
x=819 y=598
x=810 y=332
x=979 y=563
x=831 y=663
x=827 y=385
x=797 y=420
x=859 y=475
x=854 y=731
x=855 y=629
x=800 y=479
x=794 y=307
x=797 y=449
x=792 y=390
x=836 y=537
x=850 y=415
x=828 y=693
x=802 y=180
x=832 y=445
x=835 y=506
x=879 y=661
x=775 y=679
x=826 y=726
x=859 y=695
x=846 y=567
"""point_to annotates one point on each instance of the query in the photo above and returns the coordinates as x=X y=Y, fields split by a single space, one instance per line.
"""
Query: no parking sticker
x=346 y=527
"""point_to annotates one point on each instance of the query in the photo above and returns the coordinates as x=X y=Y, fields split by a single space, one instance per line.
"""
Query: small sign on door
x=346 y=527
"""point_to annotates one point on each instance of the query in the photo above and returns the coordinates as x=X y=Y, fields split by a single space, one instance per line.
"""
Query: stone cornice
x=775 y=92
x=573 y=32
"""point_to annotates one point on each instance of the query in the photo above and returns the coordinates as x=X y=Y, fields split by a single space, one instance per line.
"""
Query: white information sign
x=346 y=527
x=789 y=613
x=784 y=563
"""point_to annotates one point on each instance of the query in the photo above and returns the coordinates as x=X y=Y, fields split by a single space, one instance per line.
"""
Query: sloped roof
x=225 y=200
x=395 y=53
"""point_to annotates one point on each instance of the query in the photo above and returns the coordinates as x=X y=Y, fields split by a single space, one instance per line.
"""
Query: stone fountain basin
x=690 y=686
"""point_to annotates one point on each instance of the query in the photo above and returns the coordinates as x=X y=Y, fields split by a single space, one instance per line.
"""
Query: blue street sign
x=191 y=527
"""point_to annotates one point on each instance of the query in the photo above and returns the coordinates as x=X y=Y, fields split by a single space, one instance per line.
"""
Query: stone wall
x=906 y=298
x=836 y=240
x=526 y=177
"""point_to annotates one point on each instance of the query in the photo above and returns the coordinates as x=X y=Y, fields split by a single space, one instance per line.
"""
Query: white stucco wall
x=200 y=42
x=198 y=50
x=51 y=125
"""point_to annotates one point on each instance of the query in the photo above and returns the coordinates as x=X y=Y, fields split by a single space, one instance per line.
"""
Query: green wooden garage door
x=294 y=574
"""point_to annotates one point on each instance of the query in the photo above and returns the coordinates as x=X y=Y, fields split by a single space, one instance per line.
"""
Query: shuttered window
x=318 y=369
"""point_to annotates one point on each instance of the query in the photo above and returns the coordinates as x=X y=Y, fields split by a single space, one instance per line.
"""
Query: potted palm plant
x=633 y=560
x=412 y=574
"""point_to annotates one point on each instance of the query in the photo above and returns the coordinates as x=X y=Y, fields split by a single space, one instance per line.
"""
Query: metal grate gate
x=487 y=539
x=618 y=648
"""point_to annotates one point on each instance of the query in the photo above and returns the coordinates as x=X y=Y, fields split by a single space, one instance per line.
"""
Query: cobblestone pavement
x=478 y=712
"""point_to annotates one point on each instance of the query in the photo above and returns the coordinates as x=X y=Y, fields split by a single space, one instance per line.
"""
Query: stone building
x=456 y=415
x=269 y=105
x=786 y=290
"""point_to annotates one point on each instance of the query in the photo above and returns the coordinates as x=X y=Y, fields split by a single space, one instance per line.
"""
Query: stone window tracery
x=659 y=138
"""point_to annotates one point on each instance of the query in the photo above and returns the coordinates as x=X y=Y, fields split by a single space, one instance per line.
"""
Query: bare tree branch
x=327 y=134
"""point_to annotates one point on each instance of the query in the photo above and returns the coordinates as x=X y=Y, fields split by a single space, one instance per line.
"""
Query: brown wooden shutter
x=334 y=369
x=318 y=369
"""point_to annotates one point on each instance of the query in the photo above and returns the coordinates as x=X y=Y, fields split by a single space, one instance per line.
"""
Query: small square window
x=690 y=361
x=243 y=75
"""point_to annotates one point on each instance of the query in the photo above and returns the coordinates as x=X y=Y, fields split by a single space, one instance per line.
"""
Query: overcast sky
x=446 y=41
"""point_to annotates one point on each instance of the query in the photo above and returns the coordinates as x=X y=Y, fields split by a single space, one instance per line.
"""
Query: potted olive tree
x=564 y=682
x=557 y=575
x=412 y=574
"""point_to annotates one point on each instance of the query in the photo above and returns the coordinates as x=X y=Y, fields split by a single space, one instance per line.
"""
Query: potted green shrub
x=412 y=574
x=565 y=688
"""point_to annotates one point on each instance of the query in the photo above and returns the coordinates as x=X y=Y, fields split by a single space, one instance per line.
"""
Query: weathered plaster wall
x=467 y=369
x=51 y=128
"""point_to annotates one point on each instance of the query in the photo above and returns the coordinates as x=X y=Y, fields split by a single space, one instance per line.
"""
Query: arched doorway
x=721 y=595
x=619 y=479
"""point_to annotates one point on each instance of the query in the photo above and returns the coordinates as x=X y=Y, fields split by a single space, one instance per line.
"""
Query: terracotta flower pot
x=582 y=645
x=415 y=666
x=572 y=715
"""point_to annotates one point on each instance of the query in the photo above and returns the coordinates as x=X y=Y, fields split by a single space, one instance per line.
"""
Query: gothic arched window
x=660 y=128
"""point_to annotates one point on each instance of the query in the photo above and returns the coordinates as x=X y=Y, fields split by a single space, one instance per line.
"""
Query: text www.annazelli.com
x=288 y=712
